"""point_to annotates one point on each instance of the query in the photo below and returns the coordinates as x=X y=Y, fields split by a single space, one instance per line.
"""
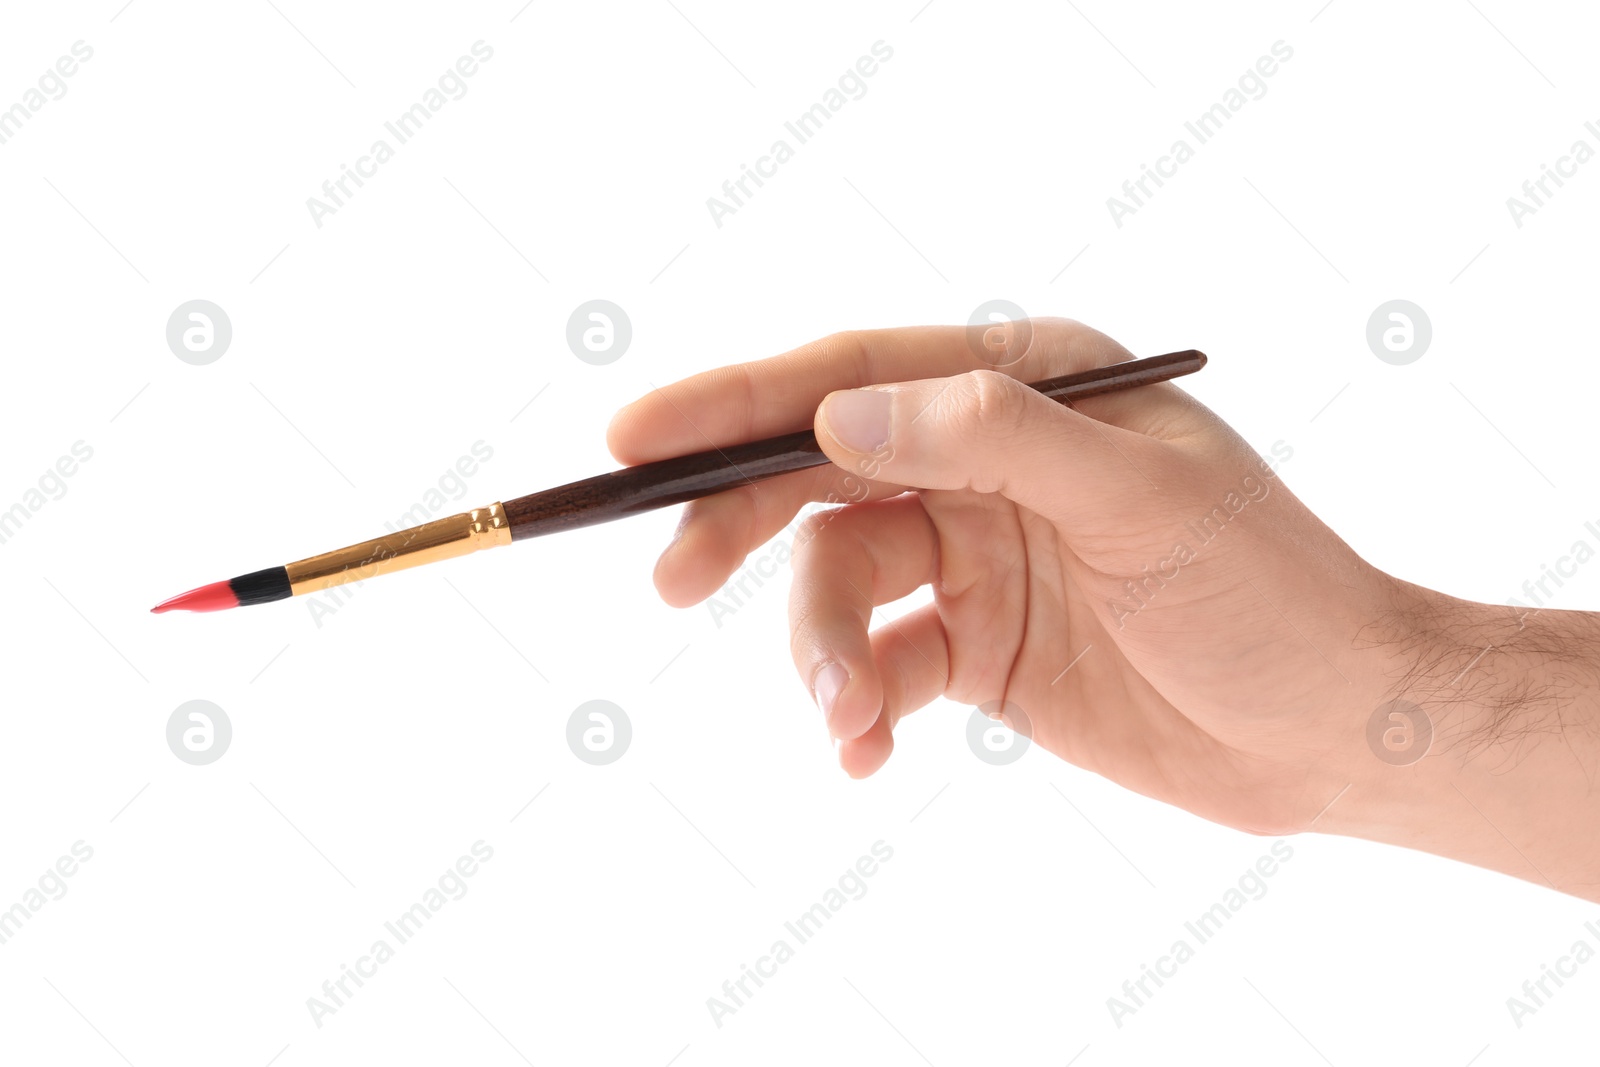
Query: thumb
x=988 y=432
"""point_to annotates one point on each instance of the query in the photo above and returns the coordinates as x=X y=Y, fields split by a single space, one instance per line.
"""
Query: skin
x=1238 y=682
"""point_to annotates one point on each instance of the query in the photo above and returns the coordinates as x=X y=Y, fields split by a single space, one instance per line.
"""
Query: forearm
x=1510 y=777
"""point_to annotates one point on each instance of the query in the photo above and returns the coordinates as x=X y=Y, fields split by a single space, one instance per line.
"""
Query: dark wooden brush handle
x=673 y=481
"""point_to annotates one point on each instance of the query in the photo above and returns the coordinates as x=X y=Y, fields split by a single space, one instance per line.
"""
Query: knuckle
x=839 y=340
x=807 y=536
x=990 y=411
x=802 y=634
x=852 y=348
x=815 y=523
x=991 y=402
x=808 y=622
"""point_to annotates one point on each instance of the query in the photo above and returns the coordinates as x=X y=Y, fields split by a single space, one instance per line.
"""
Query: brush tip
x=214 y=597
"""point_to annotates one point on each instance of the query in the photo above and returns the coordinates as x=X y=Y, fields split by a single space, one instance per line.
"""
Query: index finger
x=767 y=397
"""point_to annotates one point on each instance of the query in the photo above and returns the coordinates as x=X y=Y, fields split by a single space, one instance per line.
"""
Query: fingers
x=912 y=655
x=716 y=533
x=779 y=395
x=989 y=433
x=847 y=562
x=913 y=661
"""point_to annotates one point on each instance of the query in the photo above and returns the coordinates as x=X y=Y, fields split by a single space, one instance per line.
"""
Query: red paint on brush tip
x=213 y=597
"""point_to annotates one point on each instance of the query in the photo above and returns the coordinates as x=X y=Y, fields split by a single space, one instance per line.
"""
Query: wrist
x=1482 y=740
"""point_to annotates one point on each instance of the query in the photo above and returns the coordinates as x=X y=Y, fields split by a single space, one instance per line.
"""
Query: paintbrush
x=601 y=499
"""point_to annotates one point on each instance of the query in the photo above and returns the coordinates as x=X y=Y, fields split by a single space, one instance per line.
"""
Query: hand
x=1030 y=519
x=1127 y=577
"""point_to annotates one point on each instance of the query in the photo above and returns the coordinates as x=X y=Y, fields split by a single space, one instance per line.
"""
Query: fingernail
x=826 y=685
x=859 y=419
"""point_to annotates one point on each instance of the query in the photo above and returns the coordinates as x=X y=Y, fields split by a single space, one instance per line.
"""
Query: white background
x=370 y=752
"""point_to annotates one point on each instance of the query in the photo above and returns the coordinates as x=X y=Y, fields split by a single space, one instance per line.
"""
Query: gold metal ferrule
x=455 y=535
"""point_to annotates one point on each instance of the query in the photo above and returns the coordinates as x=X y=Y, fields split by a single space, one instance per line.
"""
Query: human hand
x=1214 y=680
x=1127 y=578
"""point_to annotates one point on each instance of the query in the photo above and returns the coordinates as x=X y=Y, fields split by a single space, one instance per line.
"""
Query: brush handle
x=673 y=481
